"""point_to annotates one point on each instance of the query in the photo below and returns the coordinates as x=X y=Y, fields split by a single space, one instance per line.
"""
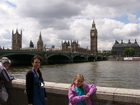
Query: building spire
x=21 y=32
x=16 y=30
x=135 y=40
x=93 y=26
x=40 y=37
x=40 y=43
x=93 y=22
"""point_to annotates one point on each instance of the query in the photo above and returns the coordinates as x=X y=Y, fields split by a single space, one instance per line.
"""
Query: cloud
x=132 y=18
x=69 y=20
x=50 y=13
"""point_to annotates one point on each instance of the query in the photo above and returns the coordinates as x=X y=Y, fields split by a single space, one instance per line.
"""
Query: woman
x=36 y=93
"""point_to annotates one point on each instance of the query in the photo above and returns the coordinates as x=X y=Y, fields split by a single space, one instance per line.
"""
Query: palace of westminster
x=67 y=46
x=73 y=46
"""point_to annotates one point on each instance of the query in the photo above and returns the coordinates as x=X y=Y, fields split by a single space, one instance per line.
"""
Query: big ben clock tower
x=93 y=39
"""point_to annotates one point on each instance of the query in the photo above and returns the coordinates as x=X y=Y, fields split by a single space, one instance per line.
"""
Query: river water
x=120 y=74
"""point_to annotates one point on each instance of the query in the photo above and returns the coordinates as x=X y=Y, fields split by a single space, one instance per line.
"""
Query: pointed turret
x=93 y=26
x=135 y=41
x=40 y=37
x=40 y=43
x=17 y=31
x=121 y=41
x=68 y=43
x=21 y=32
x=129 y=41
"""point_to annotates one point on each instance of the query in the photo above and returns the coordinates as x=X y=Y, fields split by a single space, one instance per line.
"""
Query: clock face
x=93 y=28
x=92 y=34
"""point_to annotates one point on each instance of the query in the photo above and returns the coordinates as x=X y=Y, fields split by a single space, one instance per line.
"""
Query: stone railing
x=57 y=94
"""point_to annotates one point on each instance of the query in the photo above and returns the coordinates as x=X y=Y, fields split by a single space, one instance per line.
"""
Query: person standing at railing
x=35 y=90
x=4 y=76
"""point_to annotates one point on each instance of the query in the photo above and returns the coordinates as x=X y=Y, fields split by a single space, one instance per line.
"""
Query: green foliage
x=129 y=52
x=113 y=51
x=104 y=53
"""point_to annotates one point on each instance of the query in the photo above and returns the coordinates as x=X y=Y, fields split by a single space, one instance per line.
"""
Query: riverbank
x=57 y=94
x=112 y=58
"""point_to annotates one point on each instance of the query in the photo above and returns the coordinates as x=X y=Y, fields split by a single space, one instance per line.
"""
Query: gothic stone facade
x=75 y=47
x=93 y=39
x=16 y=40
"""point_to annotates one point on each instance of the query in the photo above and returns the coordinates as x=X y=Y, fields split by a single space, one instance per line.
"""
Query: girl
x=79 y=93
x=36 y=93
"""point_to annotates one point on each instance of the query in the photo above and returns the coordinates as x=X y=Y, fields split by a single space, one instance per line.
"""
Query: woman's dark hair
x=36 y=57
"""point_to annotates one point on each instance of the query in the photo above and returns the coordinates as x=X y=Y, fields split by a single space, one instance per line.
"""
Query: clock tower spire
x=93 y=39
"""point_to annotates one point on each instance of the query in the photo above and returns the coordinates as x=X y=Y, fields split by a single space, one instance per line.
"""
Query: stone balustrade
x=57 y=94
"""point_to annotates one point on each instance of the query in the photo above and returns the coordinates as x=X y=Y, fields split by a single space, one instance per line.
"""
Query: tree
x=104 y=53
x=129 y=51
x=113 y=52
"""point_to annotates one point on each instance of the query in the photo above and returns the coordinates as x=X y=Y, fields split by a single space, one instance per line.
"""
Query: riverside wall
x=57 y=94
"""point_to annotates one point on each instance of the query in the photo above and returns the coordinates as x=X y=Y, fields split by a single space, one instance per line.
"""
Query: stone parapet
x=57 y=94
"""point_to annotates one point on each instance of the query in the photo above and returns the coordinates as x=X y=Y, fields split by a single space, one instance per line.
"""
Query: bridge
x=48 y=57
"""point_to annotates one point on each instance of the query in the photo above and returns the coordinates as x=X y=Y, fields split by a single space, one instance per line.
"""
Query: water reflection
x=123 y=74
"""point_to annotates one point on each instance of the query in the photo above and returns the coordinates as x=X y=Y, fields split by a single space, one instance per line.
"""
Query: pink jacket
x=73 y=98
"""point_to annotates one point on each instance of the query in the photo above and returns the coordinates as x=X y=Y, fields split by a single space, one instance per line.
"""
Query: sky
x=66 y=20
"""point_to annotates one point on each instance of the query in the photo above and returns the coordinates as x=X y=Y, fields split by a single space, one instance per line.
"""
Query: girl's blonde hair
x=78 y=76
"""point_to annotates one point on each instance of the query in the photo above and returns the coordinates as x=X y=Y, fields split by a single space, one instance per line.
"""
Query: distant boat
x=131 y=58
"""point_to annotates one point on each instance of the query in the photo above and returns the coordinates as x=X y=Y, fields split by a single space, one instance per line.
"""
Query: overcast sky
x=60 y=20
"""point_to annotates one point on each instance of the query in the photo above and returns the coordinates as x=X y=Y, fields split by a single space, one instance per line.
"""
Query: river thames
x=119 y=74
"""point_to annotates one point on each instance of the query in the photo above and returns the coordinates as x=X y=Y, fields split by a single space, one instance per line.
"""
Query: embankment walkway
x=57 y=94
